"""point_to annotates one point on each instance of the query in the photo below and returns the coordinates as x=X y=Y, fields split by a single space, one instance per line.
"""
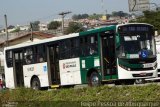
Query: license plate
x=147 y=65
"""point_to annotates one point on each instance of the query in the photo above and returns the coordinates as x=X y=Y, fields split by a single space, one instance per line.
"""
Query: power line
x=46 y=17
x=42 y=18
x=38 y=19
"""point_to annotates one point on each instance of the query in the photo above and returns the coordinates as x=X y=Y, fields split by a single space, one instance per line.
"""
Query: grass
x=103 y=93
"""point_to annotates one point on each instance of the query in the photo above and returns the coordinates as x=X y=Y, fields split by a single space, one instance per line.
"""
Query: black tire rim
x=35 y=85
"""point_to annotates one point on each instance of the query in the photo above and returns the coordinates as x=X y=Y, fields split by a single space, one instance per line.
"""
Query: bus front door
x=108 y=55
x=18 y=68
x=53 y=64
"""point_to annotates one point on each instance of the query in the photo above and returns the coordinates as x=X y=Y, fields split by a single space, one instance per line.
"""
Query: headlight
x=129 y=69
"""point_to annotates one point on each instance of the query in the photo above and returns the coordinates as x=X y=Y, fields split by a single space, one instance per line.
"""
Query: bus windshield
x=136 y=46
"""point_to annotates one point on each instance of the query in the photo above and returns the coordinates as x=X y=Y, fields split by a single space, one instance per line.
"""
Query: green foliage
x=150 y=17
x=95 y=16
x=120 y=13
x=98 y=16
x=76 y=97
x=102 y=93
x=80 y=16
x=35 y=25
x=16 y=30
x=74 y=27
x=53 y=25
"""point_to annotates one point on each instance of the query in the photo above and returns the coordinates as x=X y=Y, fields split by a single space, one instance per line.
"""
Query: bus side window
x=57 y=53
x=9 y=59
x=86 y=46
x=81 y=42
x=65 y=49
x=74 y=48
x=28 y=55
x=83 y=47
x=40 y=53
x=93 y=46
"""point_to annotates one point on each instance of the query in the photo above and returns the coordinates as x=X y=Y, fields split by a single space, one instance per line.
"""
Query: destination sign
x=134 y=28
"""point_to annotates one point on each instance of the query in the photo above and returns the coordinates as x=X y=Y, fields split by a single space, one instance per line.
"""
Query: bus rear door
x=18 y=68
x=53 y=64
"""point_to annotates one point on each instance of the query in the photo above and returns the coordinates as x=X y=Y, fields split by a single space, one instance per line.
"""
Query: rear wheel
x=94 y=79
x=35 y=84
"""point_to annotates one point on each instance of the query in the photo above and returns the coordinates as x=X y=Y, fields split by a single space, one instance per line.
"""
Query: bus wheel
x=94 y=79
x=35 y=84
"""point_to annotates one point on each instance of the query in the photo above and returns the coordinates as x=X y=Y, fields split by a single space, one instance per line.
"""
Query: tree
x=75 y=17
x=53 y=25
x=16 y=30
x=80 y=16
x=74 y=27
x=120 y=14
x=150 y=17
x=95 y=16
x=35 y=25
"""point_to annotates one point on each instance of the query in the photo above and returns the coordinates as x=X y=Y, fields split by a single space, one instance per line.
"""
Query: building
x=24 y=28
x=43 y=27
x=26 y=38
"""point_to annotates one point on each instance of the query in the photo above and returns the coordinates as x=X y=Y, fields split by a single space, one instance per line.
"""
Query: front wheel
x=35 y=84
x=94 y=79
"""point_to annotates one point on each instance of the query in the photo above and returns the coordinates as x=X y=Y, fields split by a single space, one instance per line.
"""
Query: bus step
x=109 y=80
x=55 y=86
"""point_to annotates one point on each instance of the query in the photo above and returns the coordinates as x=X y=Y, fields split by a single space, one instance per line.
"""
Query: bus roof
x=134 y=24
x=102 y=29
x=42 y=41
x=112 y=27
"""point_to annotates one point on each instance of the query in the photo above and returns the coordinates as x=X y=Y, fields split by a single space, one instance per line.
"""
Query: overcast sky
x=23 y=11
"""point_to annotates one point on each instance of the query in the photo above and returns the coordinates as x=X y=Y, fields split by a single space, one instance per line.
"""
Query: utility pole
x=63 y=14
x=102 y=3
x=31 y=26
x=6 y=30
x=104 y=12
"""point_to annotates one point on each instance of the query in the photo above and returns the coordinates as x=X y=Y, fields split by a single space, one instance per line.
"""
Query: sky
x=22 y=12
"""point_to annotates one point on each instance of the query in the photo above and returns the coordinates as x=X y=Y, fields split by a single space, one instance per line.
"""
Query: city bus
x=117 y=53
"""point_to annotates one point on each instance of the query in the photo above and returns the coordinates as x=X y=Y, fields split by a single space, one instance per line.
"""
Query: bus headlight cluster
x=155 y=66
x=129 y=69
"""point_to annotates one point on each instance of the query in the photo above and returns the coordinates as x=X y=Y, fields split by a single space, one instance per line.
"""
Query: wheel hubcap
x=35 y=85
x=95 y=80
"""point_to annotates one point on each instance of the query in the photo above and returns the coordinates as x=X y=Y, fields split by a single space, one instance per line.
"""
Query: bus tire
x=35 y=84
x=94 y=79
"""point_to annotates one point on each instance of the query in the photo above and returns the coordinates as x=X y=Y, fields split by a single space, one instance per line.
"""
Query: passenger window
x=93 y=46
x=9 y=59
x=40 y=53
x=65 y=46
x=28 y=55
